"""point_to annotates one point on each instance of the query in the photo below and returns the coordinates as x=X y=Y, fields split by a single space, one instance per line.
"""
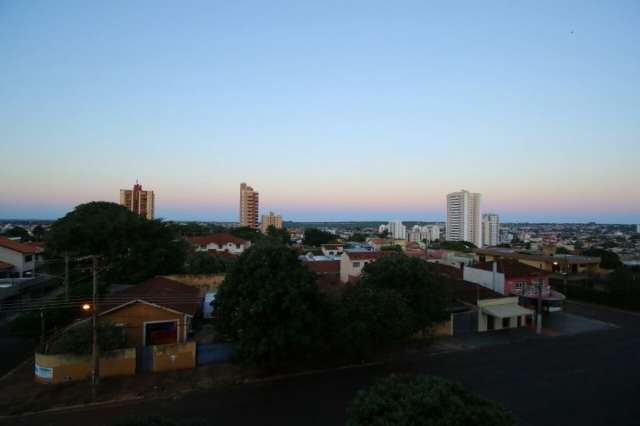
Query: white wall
x=484 y=278
x=17 y=259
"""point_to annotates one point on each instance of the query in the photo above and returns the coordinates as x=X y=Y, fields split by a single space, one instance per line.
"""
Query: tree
x=280 y=235
x=423 y=400
x=247 y=233
x=464 y=246
x=207 y=263
x=38 y=232
x=358 y=237
x=562 y=250
x=18 y=232
x=412 y=277
x=394 y=247
x=608 y=259
x=365 y=319
x=269 y=306
x=78 y=339
x=317 y=237
x=132 y=248
x=384 y=234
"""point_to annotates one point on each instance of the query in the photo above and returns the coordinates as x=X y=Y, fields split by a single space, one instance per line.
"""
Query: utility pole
x=95 y=365
x=42 y=330
x=66 y=276
x=539 y=310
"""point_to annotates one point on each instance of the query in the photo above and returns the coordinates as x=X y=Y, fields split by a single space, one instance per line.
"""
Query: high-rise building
x=490 y=229
x=248 y=206
x=138 y=201
x=463 y=217
x=270 y=219
x=397 y=230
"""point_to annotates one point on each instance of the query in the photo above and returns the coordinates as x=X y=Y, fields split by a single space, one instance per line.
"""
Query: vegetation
x=423 y=400
x=193 y=229
x=278 y=235
x=78 y=339
x=464 y=246
x=246 y=233
x=317 y=237
x=18 y=232
x=609 y=260
x=269 y=306
x=131 y=247
x=562 y=250
x=393 y=247
x=208 y=263
x=365 y=319
x=384 y=234
x=423 y=290
x=358 y=237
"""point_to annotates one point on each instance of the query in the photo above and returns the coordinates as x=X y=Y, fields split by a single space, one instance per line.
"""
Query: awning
x=506 y=311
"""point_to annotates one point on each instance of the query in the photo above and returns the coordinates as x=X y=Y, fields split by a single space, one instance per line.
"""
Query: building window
x=356 y=264
x=28 y=258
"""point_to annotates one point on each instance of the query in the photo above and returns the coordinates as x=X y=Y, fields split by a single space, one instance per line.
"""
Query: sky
x=332 y=110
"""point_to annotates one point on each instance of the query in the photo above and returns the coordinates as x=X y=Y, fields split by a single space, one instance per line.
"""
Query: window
x=356 y=264
x=28 y=258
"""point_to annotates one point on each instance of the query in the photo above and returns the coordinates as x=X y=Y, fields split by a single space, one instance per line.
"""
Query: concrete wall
x=135 y=316
x=53 y=369
x=174 y=357
x=484 y=278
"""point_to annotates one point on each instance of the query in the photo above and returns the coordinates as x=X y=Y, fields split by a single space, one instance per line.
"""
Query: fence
x=214 y=353
x=53 y=369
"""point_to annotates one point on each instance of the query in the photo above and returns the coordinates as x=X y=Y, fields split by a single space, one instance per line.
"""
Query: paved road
x=585 y=379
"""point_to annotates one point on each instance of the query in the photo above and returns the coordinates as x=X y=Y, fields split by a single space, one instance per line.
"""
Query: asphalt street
x=585 y=379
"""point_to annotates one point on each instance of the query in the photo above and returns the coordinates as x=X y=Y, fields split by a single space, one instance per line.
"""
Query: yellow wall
x=174 y=357
x=443 y=328
x=68 y=367
x=135 y=315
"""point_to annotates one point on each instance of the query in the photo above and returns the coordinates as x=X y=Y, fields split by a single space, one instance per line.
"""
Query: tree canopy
x=609 y=260
x=132 y=248
x=464 y=246
x=280 y=235
x=207 y=263
x=269 y=306
x=562 y=250
x=246 y=233
x=423 y=290
x=18 y=232
x=423 y=400
x=358 y=237
x=317 y=237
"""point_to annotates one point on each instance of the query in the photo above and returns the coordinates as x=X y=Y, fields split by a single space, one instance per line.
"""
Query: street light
x=86 y=307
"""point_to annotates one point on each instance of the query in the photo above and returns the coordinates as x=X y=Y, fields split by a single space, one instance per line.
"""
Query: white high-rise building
x=463 y=217
x=490 y=229
x=397 y=230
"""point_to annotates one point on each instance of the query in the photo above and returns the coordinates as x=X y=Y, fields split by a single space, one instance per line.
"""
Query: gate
x=214 y=353
x=144 y=359
x=465 y=323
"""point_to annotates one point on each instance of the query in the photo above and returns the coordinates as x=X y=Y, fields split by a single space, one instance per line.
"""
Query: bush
x=423 y=400
x=78 y=339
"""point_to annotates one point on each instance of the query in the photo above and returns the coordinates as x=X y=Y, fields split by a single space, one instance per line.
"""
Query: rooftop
x=510 y=268
x=16 y=246
x=534 y=255
x=366 y=255
x=222 y=238
x=323 y=266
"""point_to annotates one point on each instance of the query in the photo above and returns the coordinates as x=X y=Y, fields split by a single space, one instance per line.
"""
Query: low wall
x=174 y=357
x=443 y=328
x=53 y=369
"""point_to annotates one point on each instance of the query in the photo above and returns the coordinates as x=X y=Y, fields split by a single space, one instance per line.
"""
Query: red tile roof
x=4 y=266
x=216 y=239
x=468 y=292
x=16 y=246
x=511 y=268
x=159 y=291
x=366 y=255
x=447 y=270
x=323 y=266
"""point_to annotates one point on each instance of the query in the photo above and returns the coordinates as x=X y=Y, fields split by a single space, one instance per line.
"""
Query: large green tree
x=269 y=306
x=207 y=263
x=131 y=247
x=317 y=237
x=280 y=235
x=608 y=259
x=247 y=233
x=412 y=277
x=18 y=232
x=423 y=400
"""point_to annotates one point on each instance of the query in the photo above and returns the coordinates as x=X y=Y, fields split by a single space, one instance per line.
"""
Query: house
x=324 y=267
x=20 y=255
x=509 y=277
x=220 y=243
x=156 y=312
x=332 y=249
x=352 y=262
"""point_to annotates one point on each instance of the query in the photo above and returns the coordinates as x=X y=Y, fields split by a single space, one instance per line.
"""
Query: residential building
x=463 y=217
x=270 y=219
x=220 y=243
x=397 y=230
x=21 y=257
x=490 y=229
x=332 y=249
x=428 y=233
x=249 y=206
x=138 y=201
x=352 y=263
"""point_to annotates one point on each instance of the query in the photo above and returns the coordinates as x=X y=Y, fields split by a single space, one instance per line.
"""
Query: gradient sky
x=332 y=110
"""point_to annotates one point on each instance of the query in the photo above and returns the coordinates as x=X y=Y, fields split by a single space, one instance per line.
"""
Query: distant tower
x=138 y=201
x=490 y=229
x=463 y=217
x=248 y=206
x=270 y=219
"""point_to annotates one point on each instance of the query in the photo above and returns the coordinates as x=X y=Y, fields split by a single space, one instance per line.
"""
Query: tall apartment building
x=490 y=229
x=248 y=206
x=428 y=233
x=270 y=219
x=138 y=201
x=463 y=217
x=397 y=230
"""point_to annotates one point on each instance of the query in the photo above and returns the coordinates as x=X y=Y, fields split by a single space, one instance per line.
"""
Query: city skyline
x=370 y=112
